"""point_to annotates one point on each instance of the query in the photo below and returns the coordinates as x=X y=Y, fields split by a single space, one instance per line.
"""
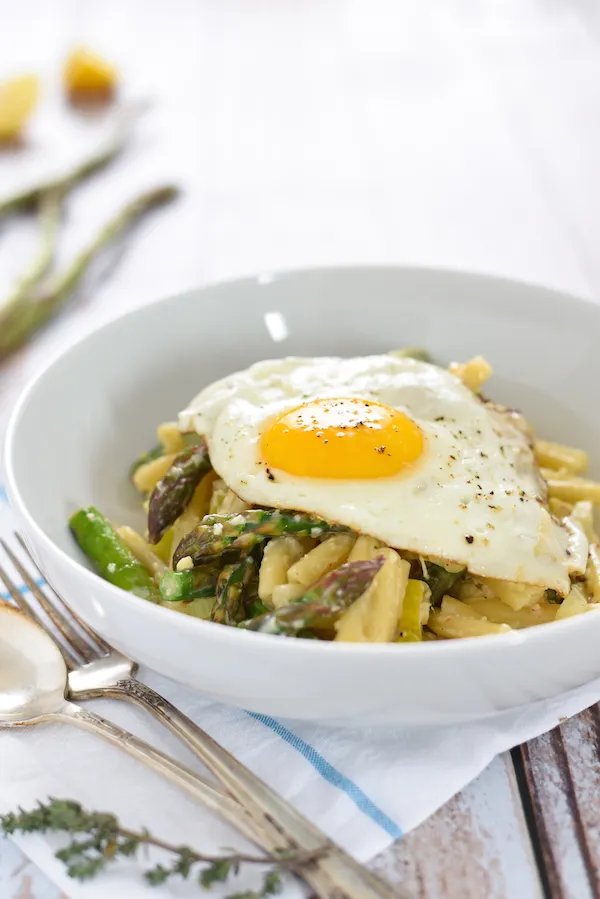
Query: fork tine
x=84 y=627
x=71 y=660
x=87 y=652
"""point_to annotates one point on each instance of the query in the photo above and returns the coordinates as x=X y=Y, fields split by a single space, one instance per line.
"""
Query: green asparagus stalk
x=175 y=490
x=322 y=604
x=29 y=197
x=232 y=582
x=182 y=586
x=37 y=306
x=109 y=555
x=217 y=533
x=49 y=219
x=409 y=625
x=440 y=580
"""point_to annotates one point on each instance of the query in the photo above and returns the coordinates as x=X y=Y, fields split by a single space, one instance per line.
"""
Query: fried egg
x=391 y=447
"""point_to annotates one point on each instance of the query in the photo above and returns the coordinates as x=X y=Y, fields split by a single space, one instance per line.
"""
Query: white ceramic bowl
x=78 y=426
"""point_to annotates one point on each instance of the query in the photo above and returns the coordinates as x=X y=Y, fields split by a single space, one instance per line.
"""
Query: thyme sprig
x=99 y=839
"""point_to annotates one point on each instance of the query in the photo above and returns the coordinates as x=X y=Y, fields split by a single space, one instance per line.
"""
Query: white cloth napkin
x=364 y=788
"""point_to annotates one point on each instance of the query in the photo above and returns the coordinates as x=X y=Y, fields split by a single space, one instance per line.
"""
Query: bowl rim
x=530 y=635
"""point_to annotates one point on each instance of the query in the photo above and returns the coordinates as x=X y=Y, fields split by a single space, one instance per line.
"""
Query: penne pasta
x=231 y=504
x=556 y=456
x=498 y=612
x=329 y=554
x=278 y=556
x=473 y=373
x=147 y=476
x=219 y=492
x=517 y=596
x=574 y=604
x=559 y=507
x=284 y=594
x=364 y=549
x=583 y=514
x=170 y=437
x=454 y=619
x=574 y=489
x=374 y=617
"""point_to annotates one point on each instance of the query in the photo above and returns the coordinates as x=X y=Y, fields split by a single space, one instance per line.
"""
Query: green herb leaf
x=103 y=840
x=218 y=872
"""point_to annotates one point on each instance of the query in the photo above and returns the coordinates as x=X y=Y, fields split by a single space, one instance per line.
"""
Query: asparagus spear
x=182 y=586
x=409 y=624
x=111 y=558
x=36 y=307
x=233 y=580
x=217 y=533
x=173 y=492
x=27 y=198
x=322 y=604
x=440 y=580
x=49 y=214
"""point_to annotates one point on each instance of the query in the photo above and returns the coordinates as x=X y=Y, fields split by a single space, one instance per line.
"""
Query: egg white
x=475 y=497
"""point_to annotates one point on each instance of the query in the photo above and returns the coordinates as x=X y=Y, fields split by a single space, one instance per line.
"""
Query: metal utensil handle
x=350 y=877
x=191 y=783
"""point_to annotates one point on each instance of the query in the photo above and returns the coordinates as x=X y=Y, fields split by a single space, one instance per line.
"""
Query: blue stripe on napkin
x=23 y=588
x=332 y=775
x=3 y=494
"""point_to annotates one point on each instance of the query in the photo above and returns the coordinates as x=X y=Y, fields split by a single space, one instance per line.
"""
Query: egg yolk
x=342 y=438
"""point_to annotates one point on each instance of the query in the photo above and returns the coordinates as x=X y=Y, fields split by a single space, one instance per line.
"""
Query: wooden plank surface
x=21 y=879
x=561 y=774
x=476 y=847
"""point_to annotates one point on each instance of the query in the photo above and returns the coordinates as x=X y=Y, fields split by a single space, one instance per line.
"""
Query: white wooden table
x=462 y=134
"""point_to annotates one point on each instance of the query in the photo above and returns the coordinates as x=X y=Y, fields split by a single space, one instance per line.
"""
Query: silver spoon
x=33 y=682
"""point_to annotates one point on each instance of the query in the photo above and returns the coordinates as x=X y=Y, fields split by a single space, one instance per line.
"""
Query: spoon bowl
x=33 y=674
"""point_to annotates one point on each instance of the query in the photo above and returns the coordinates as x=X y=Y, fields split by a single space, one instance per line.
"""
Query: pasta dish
x=375 y=499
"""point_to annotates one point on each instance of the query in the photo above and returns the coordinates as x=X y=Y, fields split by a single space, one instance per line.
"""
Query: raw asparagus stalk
x=182 y=586
x=232 y=582
x=217 y=533
x=49 y=219
x=111 y=558
x=35 y=308
x=27 y=198
x=322 y=604
x=173 y=493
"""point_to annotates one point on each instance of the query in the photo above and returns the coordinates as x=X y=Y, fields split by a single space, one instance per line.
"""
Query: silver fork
x=97 y=670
